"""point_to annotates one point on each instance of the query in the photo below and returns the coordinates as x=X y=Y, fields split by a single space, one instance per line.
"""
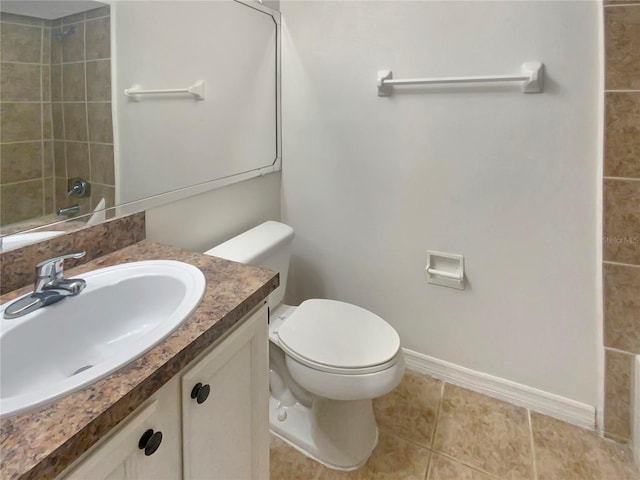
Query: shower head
x=65 y=33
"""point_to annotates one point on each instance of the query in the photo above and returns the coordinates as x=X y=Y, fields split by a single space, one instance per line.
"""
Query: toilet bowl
x=327 y=360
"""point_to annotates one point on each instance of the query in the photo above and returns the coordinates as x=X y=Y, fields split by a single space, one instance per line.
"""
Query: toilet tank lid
x=253 y=246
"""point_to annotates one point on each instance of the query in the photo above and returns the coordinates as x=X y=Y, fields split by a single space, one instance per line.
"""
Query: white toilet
x=328 y=360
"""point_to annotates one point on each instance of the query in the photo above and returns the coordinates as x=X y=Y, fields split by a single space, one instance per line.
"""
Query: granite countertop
x=42 y=443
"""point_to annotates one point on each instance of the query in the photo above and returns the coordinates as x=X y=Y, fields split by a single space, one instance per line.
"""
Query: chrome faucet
x=50 y=287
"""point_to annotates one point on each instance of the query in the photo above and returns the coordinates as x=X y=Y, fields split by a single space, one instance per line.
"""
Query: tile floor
x=430 y=430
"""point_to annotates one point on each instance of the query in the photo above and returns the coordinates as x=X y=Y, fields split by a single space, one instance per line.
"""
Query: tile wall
x=621 y=248
x=81 y=106
x=26 y=149
x=55 y=97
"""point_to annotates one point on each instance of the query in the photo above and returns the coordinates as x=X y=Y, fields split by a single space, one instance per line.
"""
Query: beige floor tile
x=568 y=452
x=289 y=464
x=485 y=433
x=393 y=459
x=410 y=410
x=443 y=468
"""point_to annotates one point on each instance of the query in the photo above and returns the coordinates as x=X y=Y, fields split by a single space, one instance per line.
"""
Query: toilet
x=328 y=360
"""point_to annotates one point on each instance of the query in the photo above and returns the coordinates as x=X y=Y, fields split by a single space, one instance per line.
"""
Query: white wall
x=504 y=178
x=203 y=221
x=174 y=141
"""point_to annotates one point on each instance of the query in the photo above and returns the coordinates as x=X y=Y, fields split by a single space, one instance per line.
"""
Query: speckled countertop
x=42 y=443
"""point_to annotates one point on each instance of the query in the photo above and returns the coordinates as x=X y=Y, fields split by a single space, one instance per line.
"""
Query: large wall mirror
x=66 y=119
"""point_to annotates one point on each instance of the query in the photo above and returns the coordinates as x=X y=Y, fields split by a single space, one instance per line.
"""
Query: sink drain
x=81 y=369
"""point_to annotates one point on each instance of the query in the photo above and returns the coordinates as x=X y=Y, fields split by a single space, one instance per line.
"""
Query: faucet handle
x=54 y=267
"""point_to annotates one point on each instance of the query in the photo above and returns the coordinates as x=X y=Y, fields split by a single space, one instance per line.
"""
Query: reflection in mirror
x=55 y=99
x=57 y=135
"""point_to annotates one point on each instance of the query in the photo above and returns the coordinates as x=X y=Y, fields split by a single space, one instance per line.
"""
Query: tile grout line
x=533 y=446
x=620 y=264
x=433 y=434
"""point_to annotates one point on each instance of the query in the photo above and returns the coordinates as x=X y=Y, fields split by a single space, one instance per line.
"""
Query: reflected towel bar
x=532 y=76
x=196 y=90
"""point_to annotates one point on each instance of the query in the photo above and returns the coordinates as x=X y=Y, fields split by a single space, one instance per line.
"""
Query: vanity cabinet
x=212 y=418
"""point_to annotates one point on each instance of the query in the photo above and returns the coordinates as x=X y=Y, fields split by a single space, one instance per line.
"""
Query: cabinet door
x=226 y=436
x=119 y=457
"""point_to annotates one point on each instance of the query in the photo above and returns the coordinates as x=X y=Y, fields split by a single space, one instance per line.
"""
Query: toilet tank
x=268 y=245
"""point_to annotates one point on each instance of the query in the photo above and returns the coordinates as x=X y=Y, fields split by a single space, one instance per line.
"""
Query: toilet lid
x=337 y=334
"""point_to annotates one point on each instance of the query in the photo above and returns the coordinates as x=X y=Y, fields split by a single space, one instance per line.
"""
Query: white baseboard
x=537 y=400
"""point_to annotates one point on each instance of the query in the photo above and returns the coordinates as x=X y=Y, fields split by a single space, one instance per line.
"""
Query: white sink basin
x=16 y=240
x=124 y=311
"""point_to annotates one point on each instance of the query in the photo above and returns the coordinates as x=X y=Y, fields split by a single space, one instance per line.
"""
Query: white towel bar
x=531 y=77
x=196 y=90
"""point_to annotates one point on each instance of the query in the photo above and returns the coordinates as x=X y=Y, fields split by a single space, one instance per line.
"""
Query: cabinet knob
x=200 y=392
x=150 y=441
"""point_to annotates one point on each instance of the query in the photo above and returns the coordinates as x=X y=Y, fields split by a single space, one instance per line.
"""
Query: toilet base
x=339 y=434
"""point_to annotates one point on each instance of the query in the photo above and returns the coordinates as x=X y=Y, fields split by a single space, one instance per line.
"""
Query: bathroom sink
x=16 y=240
x=124 y=311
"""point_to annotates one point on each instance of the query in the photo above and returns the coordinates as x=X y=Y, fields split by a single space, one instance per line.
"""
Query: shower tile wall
x=81 y=106
x=621 y=249
x=26 y=147
x=55 y=102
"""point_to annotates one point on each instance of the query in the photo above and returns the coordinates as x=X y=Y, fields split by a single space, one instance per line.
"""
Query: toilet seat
x=338 y=337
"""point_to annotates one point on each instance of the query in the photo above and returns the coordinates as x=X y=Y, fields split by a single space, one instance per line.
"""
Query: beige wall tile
x=73 y=44
x=19 y=82
x=100 y=126
x=99 y=80
x=61 y=198
x=46 y=47
x=410 y=410
x=57 y=120
x=73 y=84
x=622 y=221
x=20 y=162
x=47 y=122
x=47 y=159
x=442 y=468
x=289 y=464
x=21 y=43
x=98 y=192
x=622 y=307
x=102 y=168
x=60 y=159
x=622 y=47
x=393 y=459
x=56 y=83
x=20 y=201
x=98 y=39
x=622 y=135
x=485 y=433
x=46 y=83
x=20 y=122
x=75 y=121
x=617 y=401
x=49 y=195
x=56 y=46
x=75 y=18
x=21 y=19
x=99 y=12
x=78 y=160
x=568 y=452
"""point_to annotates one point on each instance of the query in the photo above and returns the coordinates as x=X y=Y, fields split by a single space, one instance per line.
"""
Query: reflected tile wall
x=621 y=215
x=81 y=92
x=26 y=159
x=55 y=84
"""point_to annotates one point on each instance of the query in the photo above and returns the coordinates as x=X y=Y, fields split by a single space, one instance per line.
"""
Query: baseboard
x=537 y=400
